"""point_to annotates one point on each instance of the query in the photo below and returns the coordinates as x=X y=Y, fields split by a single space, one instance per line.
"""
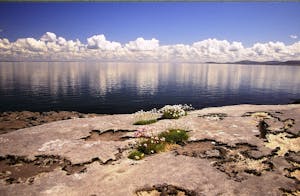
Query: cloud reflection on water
x=77 y=82
x=102 y=78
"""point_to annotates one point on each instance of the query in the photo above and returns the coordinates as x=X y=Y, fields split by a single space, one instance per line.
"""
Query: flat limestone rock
x=225 y=155
x=10 y=121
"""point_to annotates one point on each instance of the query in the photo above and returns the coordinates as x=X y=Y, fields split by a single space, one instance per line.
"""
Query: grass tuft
x=145 y=122
x=136 y=155
x=151 y=146
x=175 y=136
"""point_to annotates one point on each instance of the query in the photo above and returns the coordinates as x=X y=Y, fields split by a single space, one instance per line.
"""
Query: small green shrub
x=145 y=122
x=168 y=115
x=176 y=136
x=173 y=115
x=151 y=146
x=136 y=155
x=155 y=144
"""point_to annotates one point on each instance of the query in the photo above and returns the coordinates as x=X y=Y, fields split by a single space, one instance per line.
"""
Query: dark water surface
x=127 y=87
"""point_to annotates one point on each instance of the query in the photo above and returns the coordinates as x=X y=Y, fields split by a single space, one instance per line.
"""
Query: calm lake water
x=127 y=87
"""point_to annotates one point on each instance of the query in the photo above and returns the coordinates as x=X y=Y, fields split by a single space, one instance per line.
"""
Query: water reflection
x=77 y=82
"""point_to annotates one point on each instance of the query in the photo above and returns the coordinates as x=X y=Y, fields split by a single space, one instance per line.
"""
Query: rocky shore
x=231 y=150
x=10 y=121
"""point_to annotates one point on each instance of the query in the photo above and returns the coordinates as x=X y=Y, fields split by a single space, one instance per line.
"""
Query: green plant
x=145 y=122
x=155 y=144
x=176 y=136
x=136 y=155
x=151 y=145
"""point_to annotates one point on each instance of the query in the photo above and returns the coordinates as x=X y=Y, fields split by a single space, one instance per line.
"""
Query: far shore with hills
x=246 y=62
x=243 y=62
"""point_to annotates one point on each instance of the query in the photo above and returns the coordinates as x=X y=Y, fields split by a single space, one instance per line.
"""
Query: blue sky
x=170 y=23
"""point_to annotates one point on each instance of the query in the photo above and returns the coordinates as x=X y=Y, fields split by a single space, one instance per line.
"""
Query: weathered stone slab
x=225 y=155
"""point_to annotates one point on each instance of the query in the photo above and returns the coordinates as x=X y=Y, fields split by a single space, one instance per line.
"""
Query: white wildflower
x=172 y=111
x=146 y=115
x=136 y=157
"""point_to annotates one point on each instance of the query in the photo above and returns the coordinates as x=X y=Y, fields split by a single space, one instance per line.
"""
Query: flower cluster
x=142 y=132
x=187 y=107
x=172 y=111
x=151 y=144
x=148 y=144
x=176 y=136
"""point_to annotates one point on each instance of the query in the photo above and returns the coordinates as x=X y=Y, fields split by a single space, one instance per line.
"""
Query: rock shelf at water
x=231 y=150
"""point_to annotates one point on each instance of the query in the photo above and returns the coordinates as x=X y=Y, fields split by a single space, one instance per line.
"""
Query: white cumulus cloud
x=53 y=47
x=293 y=36
x=48 y=37
x=142 y=44
x=100 y=42
x=30 y=45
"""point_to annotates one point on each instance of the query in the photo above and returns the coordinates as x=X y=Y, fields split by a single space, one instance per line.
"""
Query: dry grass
x=261 y=115
x=148 y=193
x=157 y=193
x=170 y=147
x=243 y=163
x=296 y=174
x=283 y=142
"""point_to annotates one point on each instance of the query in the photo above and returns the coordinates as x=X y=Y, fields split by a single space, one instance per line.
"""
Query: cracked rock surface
x=232 y=150
x=10 y=121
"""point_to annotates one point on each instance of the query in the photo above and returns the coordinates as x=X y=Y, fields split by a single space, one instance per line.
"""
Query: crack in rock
x=293 y=158
x=263 y=129
x=287 y=192
x=284 y=143
x=11 y=121
x=19 y=169
x=294 y=174
x=108 y=135
x=164 y=190
x=260 y=115
x=214 y=116
x=234 y=161
x=288 y=123
x=269 y=123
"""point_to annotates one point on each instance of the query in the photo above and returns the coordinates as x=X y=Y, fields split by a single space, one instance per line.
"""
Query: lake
x=93 y=87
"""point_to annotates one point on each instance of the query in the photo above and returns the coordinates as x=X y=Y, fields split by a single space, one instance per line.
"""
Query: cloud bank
x=51 y=47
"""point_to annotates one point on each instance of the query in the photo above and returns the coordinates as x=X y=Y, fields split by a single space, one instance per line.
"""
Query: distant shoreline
x=244 y=62
x=294 y=62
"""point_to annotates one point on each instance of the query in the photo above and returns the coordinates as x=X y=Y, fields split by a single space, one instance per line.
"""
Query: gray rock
x=108 y=171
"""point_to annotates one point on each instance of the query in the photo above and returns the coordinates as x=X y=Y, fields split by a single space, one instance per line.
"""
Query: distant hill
x=296 y=62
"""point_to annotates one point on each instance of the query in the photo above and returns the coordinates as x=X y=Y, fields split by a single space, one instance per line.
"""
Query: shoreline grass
x=145 y=122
